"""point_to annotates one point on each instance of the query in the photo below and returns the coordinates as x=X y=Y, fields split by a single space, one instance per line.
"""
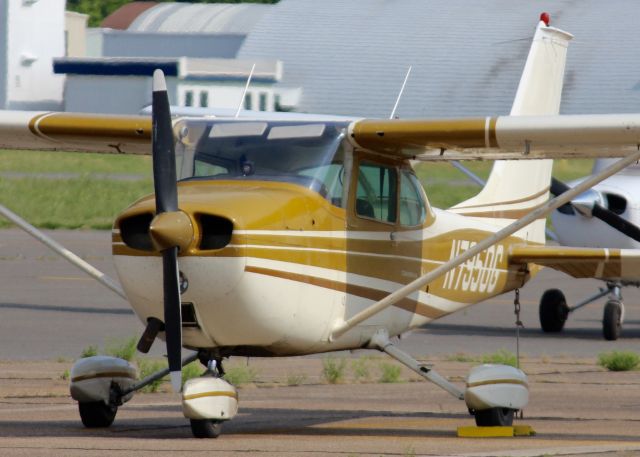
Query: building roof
x=123 y=17
x=351 y=57
x=266 y=71
x=198 y=18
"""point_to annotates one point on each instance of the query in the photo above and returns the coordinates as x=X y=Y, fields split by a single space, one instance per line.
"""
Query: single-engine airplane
x=607 y=215
x=292 y=237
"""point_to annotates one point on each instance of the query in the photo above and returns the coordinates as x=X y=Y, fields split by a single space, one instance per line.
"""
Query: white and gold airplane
x=301 y=236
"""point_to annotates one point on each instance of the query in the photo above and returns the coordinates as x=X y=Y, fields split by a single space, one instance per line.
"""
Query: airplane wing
x=75 y=132
x=599 y=263
x=502 y=137
x=490 y=138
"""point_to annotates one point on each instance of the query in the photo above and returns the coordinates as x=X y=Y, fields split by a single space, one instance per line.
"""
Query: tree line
x=99 y=9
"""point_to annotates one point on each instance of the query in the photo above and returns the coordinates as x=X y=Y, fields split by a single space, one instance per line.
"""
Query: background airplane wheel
x=553 y=311
x=97 y=414
x=205 y=428
x=611 y=322
x=494 y=417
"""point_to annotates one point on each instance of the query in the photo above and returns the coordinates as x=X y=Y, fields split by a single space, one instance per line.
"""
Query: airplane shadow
x=67 y=309
x=629 y=331
x=276 y=422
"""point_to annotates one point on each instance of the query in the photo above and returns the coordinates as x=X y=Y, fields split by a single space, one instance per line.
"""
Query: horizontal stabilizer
x=598 y=263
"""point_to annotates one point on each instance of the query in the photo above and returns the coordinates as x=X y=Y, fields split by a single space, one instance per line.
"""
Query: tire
x=494 y=417
x=205 y=428
x=611 y=320
x=97 y=414
x=553 y=311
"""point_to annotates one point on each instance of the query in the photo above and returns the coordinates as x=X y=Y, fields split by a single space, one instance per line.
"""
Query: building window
x=248 y=101
x=204 y=98
x=188 y=98
x=263 y=101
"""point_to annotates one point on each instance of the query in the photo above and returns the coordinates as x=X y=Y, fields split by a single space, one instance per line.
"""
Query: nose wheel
x=612 y=320
x=494 y=417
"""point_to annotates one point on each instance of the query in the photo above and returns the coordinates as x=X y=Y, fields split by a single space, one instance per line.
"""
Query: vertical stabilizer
x=516 y=187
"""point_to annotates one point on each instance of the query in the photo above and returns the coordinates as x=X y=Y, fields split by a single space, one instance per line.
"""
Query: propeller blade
x=164 y=161
x=164 y=181
x=605 y=215
x=617 y=222
x=172 y=315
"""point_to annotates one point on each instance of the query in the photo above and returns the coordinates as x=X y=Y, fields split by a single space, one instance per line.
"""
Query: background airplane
x=608 y=215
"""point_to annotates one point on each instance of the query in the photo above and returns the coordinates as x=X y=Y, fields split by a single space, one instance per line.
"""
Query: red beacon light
x=544 y=17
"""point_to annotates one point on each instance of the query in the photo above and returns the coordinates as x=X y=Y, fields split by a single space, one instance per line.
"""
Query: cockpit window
x=309 y=154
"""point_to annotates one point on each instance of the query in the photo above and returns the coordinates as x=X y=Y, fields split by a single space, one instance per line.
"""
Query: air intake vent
x=135 y=232
x=216 y=232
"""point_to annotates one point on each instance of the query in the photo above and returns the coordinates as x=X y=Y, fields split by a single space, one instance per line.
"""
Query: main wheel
x=612 y=320
x=553 y=311
x=494 y=417
x=205 y=428
x=97 y=414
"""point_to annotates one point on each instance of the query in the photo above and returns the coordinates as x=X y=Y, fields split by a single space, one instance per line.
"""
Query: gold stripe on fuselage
x=369 y=293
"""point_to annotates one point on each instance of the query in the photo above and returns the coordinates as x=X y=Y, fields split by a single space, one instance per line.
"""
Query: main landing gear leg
x=380 y=341
x=493 y=394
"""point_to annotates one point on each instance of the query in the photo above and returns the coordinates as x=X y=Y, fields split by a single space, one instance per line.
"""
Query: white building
x=31 y=36
x=123 y=85
x=195 y=44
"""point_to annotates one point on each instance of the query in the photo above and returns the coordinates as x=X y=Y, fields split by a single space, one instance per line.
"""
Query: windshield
x=309 y=154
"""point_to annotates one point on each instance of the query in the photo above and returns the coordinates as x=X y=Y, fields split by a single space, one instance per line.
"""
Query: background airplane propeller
x=588 y=206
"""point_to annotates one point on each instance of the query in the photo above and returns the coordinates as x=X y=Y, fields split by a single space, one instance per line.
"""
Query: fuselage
x=276 y=262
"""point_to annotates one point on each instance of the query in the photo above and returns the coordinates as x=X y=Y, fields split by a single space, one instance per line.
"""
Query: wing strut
x=538 y=213
x=52 y=244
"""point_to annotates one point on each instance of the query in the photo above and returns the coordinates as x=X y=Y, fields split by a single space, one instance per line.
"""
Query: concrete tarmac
x=50 y=312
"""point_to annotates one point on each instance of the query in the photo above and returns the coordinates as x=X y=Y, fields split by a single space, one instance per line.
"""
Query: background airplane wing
x=503 y=137
x=599 y=263
x=75 y=132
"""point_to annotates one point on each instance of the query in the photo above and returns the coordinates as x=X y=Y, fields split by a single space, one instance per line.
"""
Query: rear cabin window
x=376 y=196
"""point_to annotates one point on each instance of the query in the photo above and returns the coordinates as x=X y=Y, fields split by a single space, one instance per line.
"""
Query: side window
x=204 y=99
x=413 y=208
x=188 y=98
x=376 y=195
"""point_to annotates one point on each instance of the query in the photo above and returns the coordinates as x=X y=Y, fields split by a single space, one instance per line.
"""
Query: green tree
x=99 y=9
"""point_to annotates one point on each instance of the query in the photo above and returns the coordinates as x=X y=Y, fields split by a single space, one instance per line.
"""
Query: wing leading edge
x=599 y=263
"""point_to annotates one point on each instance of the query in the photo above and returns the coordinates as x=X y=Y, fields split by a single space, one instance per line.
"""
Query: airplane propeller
x=590 y=207
x=170 y=229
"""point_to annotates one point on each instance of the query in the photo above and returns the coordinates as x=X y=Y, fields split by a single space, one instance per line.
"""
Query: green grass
x=333 y=369
x=501 y=357
x=70 y=203
x=192 y=370
x=147 y=367
x=295 y=379
x=89 y=351
x=122 y=349
x=619 y=360
x=91 y=202
x=240 y=375
x=73 y=162
x=360 y=369
x=389 y=373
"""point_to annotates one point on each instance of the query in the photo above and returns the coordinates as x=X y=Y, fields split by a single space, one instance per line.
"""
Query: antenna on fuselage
x=244 y=92
x=395 y=107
